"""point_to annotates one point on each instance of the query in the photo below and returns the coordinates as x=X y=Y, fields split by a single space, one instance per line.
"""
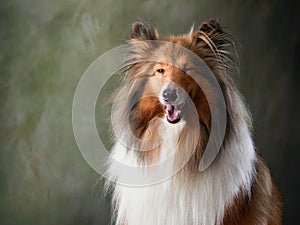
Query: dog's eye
x=160 y=70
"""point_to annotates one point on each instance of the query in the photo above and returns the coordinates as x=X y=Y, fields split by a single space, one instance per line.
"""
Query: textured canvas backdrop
x=45 y=46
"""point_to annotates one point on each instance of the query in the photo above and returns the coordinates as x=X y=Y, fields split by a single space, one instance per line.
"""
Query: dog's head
x=166 y=90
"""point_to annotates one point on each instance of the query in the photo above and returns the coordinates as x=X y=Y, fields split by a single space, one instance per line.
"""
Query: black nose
x=170 y=95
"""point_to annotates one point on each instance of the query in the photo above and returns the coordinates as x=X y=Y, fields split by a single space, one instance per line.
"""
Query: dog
x=163 y=111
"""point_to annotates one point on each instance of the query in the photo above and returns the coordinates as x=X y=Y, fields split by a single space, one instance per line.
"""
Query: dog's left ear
x=143 y=31
x=211 y=34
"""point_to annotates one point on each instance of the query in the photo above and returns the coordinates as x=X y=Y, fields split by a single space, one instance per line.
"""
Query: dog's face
x=173 y=94
x=176 y=88
x=172 y=90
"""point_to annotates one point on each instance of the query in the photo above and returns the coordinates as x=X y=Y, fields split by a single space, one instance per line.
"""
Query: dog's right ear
x=143 y=31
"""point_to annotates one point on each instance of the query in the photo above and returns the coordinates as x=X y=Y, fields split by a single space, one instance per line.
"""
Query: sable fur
x=237 y=189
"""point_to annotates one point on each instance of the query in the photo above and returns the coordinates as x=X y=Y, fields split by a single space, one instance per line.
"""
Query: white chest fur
x=197 y=200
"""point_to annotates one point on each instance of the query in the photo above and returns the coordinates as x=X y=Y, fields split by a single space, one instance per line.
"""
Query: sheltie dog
x=154 y=121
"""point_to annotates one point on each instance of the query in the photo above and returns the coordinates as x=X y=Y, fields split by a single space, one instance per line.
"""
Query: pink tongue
x=172 y=113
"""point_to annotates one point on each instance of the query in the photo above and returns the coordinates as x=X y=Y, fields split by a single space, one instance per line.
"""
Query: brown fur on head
x=209 y=42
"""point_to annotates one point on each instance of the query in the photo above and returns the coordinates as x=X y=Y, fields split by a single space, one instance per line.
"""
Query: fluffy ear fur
x=215 y=46
x=210 y=33
x=143 y=31
x=210 y=25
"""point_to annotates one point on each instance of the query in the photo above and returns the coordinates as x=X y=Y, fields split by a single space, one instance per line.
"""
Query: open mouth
x=172 y=113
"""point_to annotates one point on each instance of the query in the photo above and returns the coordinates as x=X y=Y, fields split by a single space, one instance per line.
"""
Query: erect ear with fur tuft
x=210 y=32
x=143 y=31
x=209 y=26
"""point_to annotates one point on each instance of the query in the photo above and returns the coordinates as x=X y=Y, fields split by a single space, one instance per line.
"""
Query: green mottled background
x=45 y=46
